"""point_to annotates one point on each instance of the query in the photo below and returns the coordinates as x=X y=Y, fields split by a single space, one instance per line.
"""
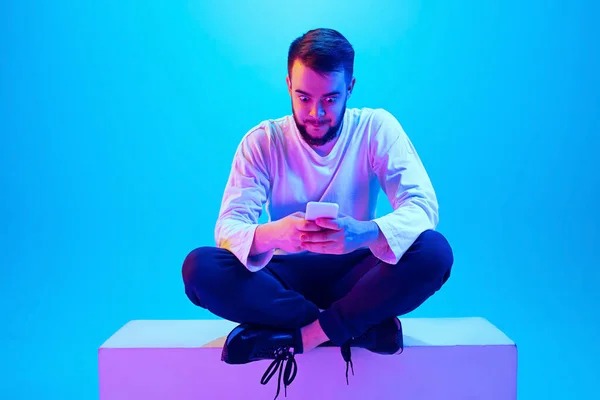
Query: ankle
x=312 y=336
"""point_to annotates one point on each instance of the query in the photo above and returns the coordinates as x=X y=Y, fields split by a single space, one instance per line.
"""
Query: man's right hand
x=283 y=234
x=290 y=228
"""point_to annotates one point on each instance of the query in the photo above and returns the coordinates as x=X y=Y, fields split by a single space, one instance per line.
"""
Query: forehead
x=310 y=81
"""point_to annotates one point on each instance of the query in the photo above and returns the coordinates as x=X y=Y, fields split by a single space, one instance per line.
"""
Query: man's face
x=318 y=103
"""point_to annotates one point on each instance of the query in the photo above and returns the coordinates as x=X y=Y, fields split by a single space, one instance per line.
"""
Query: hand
x=290 y=228
x=342 y=235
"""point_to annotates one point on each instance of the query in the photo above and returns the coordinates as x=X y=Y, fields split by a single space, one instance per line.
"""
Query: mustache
x=309 y=121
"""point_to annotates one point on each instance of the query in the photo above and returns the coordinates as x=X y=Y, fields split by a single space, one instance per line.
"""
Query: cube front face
x=423 y=372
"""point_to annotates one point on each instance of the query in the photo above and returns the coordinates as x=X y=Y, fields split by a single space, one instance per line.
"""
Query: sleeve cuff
x=382 y=247
x=241 y=249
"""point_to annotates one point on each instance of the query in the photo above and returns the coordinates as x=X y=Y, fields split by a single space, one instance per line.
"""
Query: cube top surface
x=471 y=331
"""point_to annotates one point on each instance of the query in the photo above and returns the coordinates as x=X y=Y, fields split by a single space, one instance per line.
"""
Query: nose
x=317 y=111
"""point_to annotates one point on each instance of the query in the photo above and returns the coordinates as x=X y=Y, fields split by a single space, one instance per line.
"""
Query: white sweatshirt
x=274 y=165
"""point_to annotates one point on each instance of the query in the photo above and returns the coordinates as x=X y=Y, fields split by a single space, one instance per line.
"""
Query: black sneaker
x=383 y=338
x=247 y=343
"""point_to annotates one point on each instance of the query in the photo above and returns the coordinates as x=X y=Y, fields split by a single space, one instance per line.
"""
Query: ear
x=351 y=87
x=289 y=84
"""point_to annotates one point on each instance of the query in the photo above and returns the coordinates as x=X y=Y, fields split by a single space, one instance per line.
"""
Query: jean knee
x=196 y=271
x=191 y=266
x=201 y=271
x=437 y=254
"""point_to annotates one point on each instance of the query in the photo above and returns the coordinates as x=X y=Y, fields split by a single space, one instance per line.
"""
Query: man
x=294 y=284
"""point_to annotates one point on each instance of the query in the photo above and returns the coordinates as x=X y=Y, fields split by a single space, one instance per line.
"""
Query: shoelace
x=347 y=355
x=282 y=354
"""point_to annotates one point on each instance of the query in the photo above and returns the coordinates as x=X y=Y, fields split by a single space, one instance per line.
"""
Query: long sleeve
x=245 y=193
x=406 y=183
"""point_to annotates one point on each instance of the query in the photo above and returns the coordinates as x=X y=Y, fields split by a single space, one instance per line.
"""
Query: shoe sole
x=400 y=337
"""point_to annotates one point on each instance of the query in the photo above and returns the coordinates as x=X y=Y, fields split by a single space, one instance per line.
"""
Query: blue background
x=119 y=121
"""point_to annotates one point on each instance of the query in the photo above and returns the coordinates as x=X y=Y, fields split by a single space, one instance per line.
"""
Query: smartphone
x=320 y=209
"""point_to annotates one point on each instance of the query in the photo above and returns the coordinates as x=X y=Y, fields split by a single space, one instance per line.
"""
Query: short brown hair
x=323 y=50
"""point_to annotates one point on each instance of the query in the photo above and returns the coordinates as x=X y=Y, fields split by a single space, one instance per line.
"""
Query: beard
x=331 y=133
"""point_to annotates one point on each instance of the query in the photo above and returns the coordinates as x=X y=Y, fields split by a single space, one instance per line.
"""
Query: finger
x=322 y=248
x=328 y=223
x=315 y=237
x=309 y=226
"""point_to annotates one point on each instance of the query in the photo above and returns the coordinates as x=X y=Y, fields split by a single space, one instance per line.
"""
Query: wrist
x=264 y=239
x=372 y=233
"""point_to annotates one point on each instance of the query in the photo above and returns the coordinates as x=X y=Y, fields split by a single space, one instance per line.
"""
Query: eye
x=303 y=99
x=331 y=99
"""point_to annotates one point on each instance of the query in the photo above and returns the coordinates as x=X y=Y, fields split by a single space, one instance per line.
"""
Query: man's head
x=320 y=81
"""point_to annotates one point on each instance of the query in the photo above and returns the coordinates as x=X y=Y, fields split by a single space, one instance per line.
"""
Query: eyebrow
x=325 y=95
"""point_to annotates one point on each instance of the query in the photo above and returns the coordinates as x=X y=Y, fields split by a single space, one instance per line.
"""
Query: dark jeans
x=355 y=290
